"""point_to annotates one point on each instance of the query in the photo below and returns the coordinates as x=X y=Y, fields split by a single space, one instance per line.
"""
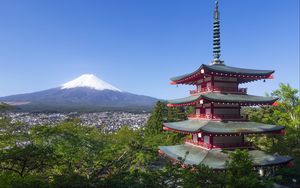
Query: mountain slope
x=85 y=93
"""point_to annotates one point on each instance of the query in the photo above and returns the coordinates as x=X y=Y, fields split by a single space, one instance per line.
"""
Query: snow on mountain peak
x=90 y=81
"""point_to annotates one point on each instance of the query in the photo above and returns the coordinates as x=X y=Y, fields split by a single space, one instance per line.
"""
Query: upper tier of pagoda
x=243 y=75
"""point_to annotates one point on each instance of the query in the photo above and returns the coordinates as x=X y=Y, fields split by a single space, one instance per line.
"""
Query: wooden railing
x=222 y=145
x=221 y=116
x=220 y=89
x=202 y=144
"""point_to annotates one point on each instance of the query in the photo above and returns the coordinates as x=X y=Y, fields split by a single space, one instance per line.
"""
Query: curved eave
x=216 y=159
x=190 y=100
x=245 y=132
x=238 y=98
x=183 y=131
x=222 y=128
x=243 y=100
x=243 y=75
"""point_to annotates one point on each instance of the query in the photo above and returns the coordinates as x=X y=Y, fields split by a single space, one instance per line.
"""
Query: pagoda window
x=206 y=139
x=198 y=111
x=198 y=87
x=207 y=111
x=208 y=85
x=195 y=137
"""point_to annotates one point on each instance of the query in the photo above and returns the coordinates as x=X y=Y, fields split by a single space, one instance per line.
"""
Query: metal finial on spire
x=216 y=36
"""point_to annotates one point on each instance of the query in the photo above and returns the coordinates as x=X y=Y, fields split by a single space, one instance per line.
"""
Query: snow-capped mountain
x=85 y=93
x=89 y=81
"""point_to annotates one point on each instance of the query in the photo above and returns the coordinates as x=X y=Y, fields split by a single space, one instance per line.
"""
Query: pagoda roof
x=222 y=68
x=220 y=97
x=216 y=159
x=222 y=127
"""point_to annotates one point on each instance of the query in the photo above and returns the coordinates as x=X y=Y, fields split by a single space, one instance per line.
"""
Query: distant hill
x=86 y=93
x=4 y=106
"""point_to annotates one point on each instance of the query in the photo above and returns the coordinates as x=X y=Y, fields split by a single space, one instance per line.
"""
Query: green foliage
x=240 y=172
x=155 y=122
x=202 y=176
x=286 y=113
x=190 y=110
x=11 y=180
x=176 y=114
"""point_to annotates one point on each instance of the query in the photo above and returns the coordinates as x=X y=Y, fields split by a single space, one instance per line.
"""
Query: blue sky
x=137 y=45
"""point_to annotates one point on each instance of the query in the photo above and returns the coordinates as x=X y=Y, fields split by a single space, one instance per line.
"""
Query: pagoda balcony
x=216 y=117
x=220 y=89
x=219 y=145
x=201 y=144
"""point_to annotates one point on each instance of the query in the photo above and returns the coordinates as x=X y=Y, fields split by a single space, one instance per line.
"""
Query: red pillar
x=212 y=110
x=212 y=82
x=239 y=110
x=211 y=141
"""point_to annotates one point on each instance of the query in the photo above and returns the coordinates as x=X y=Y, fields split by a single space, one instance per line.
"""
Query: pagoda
x=217 y=126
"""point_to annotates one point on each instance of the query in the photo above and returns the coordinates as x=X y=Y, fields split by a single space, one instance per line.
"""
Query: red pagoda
x=217 y=123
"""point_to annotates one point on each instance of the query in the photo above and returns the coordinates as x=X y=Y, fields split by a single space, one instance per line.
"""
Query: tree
x=155 y=122
x=240 y=172
x=19 y=153
x=288 y=101
x=286 y=112
x=202 y=176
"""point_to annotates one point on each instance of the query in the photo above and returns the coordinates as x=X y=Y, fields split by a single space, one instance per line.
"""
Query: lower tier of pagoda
x=218 y=117
x=222 y=128
x=230 y=145
x=216 y=158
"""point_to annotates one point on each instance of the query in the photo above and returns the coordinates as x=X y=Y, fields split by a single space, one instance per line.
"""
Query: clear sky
x=137 y=45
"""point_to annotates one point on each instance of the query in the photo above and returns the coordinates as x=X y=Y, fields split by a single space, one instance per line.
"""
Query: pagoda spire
x=216 y=36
